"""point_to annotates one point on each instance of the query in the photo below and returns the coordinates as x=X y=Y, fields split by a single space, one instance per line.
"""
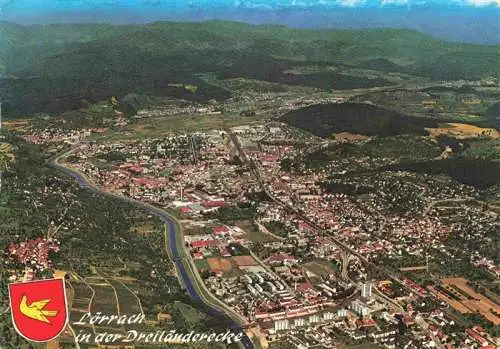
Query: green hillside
x=324 y=119
x=399 y=47
x=494 y=111
x=54 y=67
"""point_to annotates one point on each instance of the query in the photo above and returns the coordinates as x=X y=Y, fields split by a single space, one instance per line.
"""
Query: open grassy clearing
x=321 y=267
x=460 y=130
x=129 y=303
x=160 y=126
x=253 y=234
x=190 y=314
x=104 y=300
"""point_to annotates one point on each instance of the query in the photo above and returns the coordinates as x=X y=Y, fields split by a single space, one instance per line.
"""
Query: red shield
x=38 y=308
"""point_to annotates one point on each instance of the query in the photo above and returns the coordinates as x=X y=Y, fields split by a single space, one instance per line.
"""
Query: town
x=296 y=259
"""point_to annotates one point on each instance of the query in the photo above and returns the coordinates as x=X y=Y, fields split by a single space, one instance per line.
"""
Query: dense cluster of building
x=33 y=255
x=311 y=282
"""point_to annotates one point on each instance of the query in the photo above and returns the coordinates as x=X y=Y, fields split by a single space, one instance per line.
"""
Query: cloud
x=350 y=3
x=393 y=2
x=483 y=2
x=4 y=4
x=262 y=4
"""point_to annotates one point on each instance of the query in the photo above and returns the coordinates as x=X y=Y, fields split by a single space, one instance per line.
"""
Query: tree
x=4 y=164
x=286 y=164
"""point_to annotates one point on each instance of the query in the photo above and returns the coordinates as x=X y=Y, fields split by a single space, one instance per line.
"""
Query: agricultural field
x=189 y=314
x=243 y=261
x=457 y=293
x=128 y=302
x=223 y=264
x=83 y=295
x=461 y=131
x=201 y=264
x=321 y=267
x=20 y=125
x=465 y=103
x=104 y=300
x=228 y=266
x=253 y=234
x=144 y=229
x=159 y=126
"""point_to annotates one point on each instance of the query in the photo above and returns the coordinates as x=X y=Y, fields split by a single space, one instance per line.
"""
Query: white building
x=281 y=325
x=360 y=308
x=366 y=290
x=342 y=312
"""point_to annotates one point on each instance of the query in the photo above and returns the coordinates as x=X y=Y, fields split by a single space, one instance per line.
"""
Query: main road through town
x=187 y=279
x=256 y=171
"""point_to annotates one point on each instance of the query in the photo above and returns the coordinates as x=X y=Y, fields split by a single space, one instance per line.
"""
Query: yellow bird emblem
x=35 y=310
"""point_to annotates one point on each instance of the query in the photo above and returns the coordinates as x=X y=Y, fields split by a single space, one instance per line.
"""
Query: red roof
x=211 y=204
x=304 y=286
x=143 y=180
x=269 y=157
x=220 y=230
x=414 y=285
x=204 y=243
x=224 y=252
x=185 y=209
x=365 y=322
x=281 y=257
x=304 y=226
x=479 y=329
x=476 y=336
x=217 y=272
x=99 y=130
x=126 y=165
x=408 y=320
x=135 y=168
x=149 y=181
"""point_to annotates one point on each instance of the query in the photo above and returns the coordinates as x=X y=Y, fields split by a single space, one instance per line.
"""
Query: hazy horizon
x=473 y=21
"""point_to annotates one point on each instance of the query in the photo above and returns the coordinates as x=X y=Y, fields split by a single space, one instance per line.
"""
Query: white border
x=65 y=304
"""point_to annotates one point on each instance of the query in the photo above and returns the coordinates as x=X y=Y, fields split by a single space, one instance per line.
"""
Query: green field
x=321 y=267
x=159 y=126
x=190 y=314
x=104 y=300
x=201 y=264
x=82 y=297
x=128 y=302
x=253 y=234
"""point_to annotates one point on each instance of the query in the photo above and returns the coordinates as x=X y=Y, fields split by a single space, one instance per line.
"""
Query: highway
x=173 y=244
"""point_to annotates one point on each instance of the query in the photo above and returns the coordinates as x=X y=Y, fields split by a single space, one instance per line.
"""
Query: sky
x=476 y=21
x=41 y=5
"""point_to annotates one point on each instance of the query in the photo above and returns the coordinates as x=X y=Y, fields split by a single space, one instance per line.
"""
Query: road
x=256 y=171
x=379 y=294
x=489 y=206
x=423 y=324
x=179 y=255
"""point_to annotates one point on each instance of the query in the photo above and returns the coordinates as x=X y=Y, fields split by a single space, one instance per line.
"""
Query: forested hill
x=53 y=67
x=324 y=119
x=408 y=48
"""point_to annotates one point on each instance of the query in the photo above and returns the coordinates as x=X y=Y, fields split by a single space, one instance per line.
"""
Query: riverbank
x=188 y=276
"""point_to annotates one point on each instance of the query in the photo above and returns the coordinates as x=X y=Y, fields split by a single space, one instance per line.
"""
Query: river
x=177 y=258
